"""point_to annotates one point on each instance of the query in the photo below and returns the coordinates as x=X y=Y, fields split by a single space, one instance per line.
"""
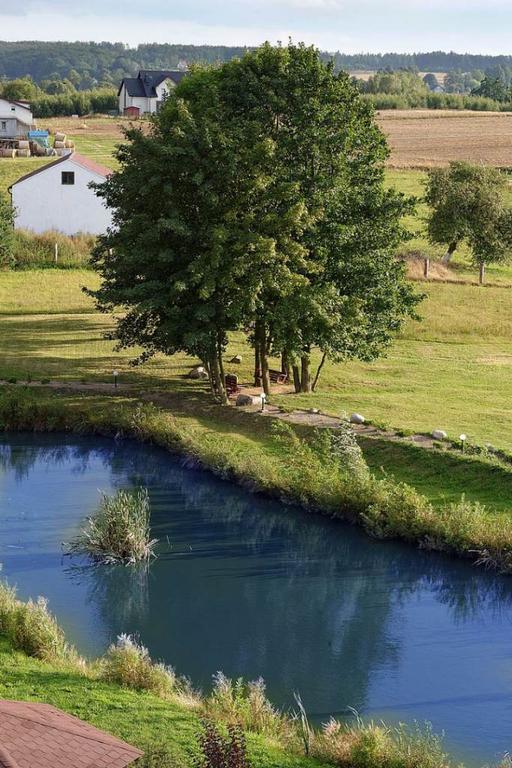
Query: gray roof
x=148 y=80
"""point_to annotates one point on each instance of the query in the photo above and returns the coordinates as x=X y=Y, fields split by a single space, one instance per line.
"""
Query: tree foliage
x=257 y=202
x=467 y=204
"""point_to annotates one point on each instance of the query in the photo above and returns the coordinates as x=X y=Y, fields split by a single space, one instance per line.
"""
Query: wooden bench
x=277 y=377
x=231 y=384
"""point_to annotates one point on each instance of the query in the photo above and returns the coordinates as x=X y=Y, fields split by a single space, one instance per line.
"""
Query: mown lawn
x=140 y=718
x=450 y=371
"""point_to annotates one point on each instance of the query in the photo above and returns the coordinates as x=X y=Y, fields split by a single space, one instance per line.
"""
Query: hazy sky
x=477 y=26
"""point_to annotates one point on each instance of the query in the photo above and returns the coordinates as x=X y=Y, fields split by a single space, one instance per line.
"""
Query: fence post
x=481 y=276
x=56 y=252
x=426 y=267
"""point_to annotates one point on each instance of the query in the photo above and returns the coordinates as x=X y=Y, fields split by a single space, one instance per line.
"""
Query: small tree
x=467 y=205
x=6 y=232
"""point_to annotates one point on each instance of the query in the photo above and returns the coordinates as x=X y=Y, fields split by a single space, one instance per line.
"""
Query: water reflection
x=246 y=585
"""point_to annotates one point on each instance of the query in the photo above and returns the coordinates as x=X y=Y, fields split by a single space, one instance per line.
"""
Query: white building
x=58 y=197
x=145 y=93
x=15 y=119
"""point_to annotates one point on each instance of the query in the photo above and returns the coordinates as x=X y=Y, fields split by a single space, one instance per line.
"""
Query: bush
x=129 y=664
x=119 y=531
x=31 y=628
x=219 y=751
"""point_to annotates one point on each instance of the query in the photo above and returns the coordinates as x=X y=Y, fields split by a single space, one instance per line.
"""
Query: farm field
x=428 y=138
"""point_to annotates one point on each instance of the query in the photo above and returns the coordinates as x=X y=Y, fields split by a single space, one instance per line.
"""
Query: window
x=3 y=125
x=68 y=177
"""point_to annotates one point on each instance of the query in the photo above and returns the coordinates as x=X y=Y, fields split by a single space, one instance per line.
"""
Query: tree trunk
x=285 y=363
x=221 y=361
x=217 y=381
x=305 y=379
x=481 y=273
x=449 y=253
x=262 y=343
x=257 y=353
x=318 y=371
x=296 y=378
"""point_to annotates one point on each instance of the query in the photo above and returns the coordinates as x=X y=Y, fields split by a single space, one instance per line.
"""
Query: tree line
x=56 y=98
x=90 y=64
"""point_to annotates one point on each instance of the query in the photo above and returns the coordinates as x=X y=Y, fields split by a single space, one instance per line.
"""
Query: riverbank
x=296 y=465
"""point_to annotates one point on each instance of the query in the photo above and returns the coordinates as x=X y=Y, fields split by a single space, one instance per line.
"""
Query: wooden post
x=56 y=252
x=426 y=267
x=481 y=276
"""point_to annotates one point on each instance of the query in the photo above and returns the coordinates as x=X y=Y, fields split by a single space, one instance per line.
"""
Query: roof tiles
x=40 y=736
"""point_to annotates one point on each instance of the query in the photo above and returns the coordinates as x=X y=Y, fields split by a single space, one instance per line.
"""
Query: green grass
x=140 y=718
x=451 y=371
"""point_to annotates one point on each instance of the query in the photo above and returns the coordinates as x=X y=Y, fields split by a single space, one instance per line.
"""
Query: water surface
x=252 y=587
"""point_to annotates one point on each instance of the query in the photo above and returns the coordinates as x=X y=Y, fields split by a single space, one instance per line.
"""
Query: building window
x=4 y=125
x=68 y=177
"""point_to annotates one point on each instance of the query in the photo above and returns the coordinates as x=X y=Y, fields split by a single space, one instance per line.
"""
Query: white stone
x=249 y=400
x=198 y=372
x=237 y=359
x=356 y=418
x=439 y=434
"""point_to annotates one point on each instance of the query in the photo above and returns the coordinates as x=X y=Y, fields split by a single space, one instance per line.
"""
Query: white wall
x=43 y=203
x=145 y=105
x=10 y=109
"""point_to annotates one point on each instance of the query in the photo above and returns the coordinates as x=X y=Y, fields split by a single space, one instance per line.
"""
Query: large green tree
x=256 y=202
x=347 y=293
x=468 y=205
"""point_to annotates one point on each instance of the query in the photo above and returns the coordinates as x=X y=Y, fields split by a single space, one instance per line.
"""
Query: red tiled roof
x=41 y=736
x=85 y=162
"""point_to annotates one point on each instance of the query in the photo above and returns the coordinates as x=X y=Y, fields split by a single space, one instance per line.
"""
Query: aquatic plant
x=119 y=531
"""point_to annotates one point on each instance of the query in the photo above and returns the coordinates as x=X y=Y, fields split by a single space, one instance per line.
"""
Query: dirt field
x=426 y=138
x=418 y=138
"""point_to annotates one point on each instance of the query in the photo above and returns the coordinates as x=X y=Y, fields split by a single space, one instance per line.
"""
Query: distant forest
x=89 y=65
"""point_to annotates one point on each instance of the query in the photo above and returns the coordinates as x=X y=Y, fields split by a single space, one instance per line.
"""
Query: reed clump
x=119 y=531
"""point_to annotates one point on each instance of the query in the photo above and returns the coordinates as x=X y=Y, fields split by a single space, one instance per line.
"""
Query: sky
x=351 y=26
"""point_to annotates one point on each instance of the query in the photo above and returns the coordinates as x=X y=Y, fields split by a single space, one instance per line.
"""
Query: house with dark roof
x=144 y=94
x=58 y=197
x=34 y=735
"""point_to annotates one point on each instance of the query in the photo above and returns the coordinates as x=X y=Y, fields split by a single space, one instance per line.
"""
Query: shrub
x=129 y=664
x=119 y=531
x=31 y=628
x=219 y=751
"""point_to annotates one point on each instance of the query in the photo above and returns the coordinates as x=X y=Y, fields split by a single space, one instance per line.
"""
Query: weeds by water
x=119 y=531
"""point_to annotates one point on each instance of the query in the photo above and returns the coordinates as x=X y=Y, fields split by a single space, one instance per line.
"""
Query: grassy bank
x=301 y=469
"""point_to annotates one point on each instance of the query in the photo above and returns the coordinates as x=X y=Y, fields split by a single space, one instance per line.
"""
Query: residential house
x=145 y=93
x=16 y=119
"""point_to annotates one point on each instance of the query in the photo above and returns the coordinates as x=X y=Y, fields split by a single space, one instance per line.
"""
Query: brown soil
x=428 y=138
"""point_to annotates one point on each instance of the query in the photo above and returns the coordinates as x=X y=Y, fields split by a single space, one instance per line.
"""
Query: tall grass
x=119 y=531
x=128 y=663
x=39 y=250
x=31 y=628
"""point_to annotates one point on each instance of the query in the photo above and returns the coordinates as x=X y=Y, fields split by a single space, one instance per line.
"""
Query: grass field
x=438 y=374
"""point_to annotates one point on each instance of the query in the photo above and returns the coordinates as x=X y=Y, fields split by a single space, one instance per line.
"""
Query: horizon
x=349 y=26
